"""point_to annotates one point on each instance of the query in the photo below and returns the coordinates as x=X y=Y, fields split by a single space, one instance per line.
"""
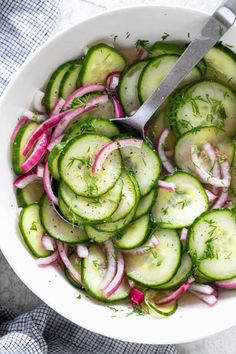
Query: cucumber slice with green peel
x=98 y=236
x=233 y=172
x=53 y=85
x=221 y=62
x=201 y=278
x=75 y=165
x=152 y=296
x=30 y=194
x=204 y=104
x=104 y=110
x=179 y=208
x=68 y=214
x=98 y=126
x=117 y=225
x=183 y=273
x=32 y=230
x=93 y=209
x=56 y=227
x=145 y=165
x=128 y=87
x=99 y=62
x=93 y=271
x=53 y=158
x=76 y=263
x=159 y=264
x=23 y=135
x=135 y=234
x=160 y=48
x=212 y=244
x=156 y=70
x=198 y=137
x=146 y=203
x=69 y=80
x=128 y=199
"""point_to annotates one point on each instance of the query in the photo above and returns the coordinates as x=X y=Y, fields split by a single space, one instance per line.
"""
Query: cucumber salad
x=126 y=218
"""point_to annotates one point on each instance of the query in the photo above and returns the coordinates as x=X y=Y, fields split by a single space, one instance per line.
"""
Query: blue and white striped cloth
x=24 y=25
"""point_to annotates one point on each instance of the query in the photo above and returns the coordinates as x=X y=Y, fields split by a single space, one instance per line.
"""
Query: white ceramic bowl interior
x=193 y=320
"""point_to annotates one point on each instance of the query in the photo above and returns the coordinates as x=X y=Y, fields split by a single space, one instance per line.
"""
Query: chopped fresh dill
x=83 y=161
x=138 y=311
x=188 y=35
x=183 y=203
x=33 y=226
x=114 y=37
x=79 y=297
x=165 y=35
x=142 y=43
x=127 y=35
x=221 y=30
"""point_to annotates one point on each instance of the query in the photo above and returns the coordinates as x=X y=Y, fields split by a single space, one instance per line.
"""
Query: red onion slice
x=203 y=174
x=80 y=92
x=161 y=151
x=152 y=243
x=20 y=123
x=110 y=147
x=47 y=124
x=34 y=116
x=47 y=184
x=46 y=261
x=39 y=170
x=67 y=262
x=142 y=54
x=97 y=100
x=48 y=243
x=68 y=116
x=112 y=80
x=175 y=295
x=23 y=181
x=116 y=281
x=136 y=296
x=117 y=107
x=37 y=101
x=211 y=196
x=225 y=172
x=38 y=152
x=57 y=107
x=210 y=300
x=169 y=186
x=82 y=251
x=184 y=234
x=202 y=288
x=111 y=264
x=229 y=284
x=55 y=142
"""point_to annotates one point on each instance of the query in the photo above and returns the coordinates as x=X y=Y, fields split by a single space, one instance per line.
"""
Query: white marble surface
x=13 y=293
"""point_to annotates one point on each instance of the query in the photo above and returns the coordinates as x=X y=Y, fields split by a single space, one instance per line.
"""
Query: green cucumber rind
x=139 y=213
x=73 y=70
x=53 y=158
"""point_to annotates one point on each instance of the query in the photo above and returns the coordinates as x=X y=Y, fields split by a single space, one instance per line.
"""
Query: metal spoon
x=219 y=23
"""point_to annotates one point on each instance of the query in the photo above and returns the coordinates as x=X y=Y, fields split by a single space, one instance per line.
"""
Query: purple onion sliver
x=23 y=181
x=46 y=261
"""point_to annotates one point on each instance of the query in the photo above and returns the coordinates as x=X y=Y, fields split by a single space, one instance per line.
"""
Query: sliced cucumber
x=146 y=203
x=179 y=208
x=98 y=126
x=212 y=244
x=160 y=48
x=128 y=199
x=221 y=61
x=76 y=161
x=93 y=271
x=20 y=141
x=201 y=278
x=98 y=236
x=56 y=227
x=93 y=209
x=135 y=234
x=145 y=165
x=68 y=213
x=183 y=273
x=128 y=87
x=32 y=230
x=76 y=263
x=198 y=137
x=156 y=70
x=152 y=296
x=99 y=62
x=203 y=104
x=30 y=194
x=53 y=85
x=53 y=158
x=158 y=265
x=69 y=80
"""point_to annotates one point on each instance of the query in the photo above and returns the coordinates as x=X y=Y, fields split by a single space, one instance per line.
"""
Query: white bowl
x=193 y=320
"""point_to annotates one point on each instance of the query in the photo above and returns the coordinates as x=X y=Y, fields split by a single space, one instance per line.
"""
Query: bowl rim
x=3 y=97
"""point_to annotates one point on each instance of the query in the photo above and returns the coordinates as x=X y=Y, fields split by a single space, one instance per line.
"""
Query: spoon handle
x=222 y=19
